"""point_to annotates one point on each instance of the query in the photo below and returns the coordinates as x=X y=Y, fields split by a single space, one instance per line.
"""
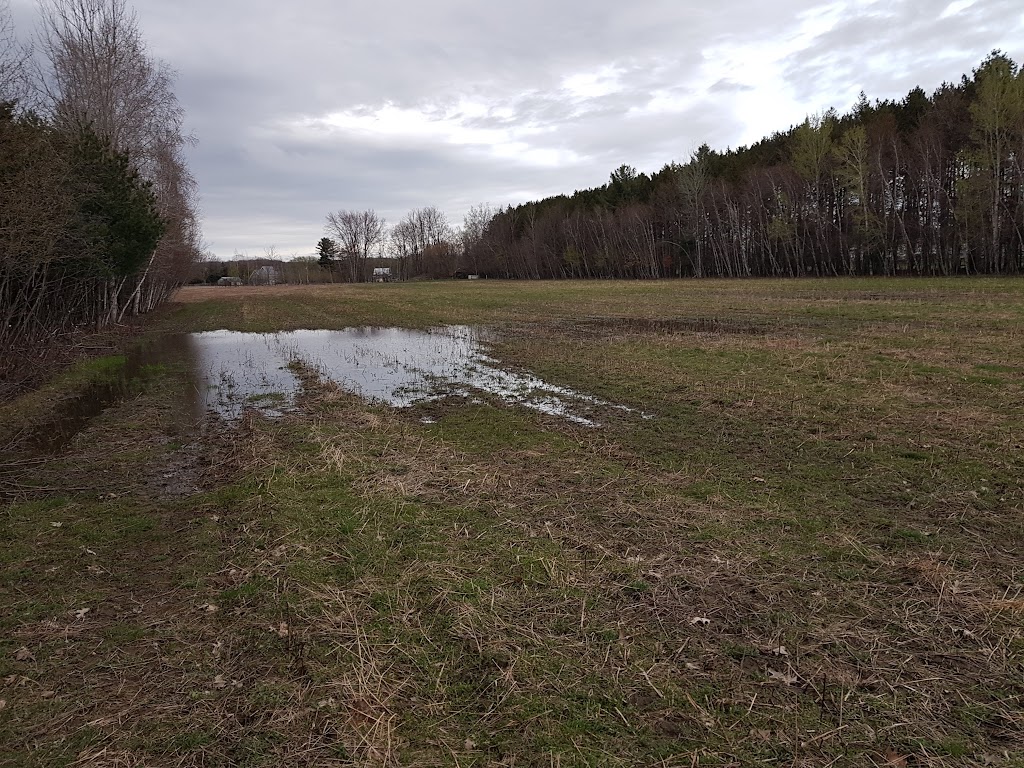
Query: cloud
x=725 y=85
x=306 y=107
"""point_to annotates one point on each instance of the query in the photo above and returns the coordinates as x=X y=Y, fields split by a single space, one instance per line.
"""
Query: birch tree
x=98 y=74
x=993 y=183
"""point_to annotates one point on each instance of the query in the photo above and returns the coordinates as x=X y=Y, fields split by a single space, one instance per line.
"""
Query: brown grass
x=810 y=557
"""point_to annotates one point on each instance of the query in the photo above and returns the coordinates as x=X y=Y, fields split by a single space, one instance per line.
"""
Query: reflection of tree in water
x=394 y=366
x=125 y=381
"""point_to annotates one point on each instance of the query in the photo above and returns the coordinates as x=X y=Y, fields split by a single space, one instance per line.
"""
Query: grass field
x=811 y=555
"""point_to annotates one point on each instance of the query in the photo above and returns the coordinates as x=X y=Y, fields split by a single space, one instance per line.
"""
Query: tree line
x=98 y=210
x=294 y=270
x=926 y=185
x=423 y=244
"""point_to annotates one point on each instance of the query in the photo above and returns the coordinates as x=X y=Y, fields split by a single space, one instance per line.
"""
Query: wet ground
x=72 y=415
x=395 y=366
x=231 y=371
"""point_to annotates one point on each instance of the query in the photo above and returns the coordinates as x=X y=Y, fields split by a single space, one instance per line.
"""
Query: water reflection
x=230 y=371
x=71 y=416
x=240 y=370
x=396 y=366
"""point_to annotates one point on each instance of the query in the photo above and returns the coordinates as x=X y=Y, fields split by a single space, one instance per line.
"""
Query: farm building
x=265 y=276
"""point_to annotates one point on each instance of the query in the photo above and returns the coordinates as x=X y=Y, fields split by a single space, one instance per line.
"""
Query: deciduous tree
x=360 y=235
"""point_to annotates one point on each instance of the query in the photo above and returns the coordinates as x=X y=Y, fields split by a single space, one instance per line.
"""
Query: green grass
x=810 y=554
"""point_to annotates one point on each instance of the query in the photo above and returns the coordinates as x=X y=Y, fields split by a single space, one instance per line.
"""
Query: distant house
x=265 y=276
x=382 y=274
x=230 y=281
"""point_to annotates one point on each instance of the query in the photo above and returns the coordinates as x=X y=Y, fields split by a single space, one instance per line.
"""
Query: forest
x=98 y=210
x=927 y=185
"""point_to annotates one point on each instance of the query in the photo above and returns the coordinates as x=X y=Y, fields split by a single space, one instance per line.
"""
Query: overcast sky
x=309 y=106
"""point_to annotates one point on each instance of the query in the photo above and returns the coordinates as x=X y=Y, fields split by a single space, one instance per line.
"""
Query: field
x=803 y=546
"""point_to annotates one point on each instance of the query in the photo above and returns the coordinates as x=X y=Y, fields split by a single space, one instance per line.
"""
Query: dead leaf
x=693 y=667
x=701 y=620
x=48 y=694
x=894 y=758
x=761 y=735
x=24 y=654
x=217 y=648
x=783 y=677
x=209 y=608
x=81 y=612
x=220 y=682
x=780 y=651
x=3 y=704
x=281 y=630
x=759 y=480
x=56 y=525
x=470 y=745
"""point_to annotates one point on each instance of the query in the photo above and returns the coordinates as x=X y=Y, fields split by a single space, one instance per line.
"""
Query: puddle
x=236 y=371
x=396 y=366
x=70 y=417
x=230 y=371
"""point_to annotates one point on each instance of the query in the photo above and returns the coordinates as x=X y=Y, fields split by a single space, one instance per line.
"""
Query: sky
x=305 y=107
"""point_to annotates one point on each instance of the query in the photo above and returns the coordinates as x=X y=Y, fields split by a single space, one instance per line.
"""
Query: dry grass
x=810 y=557
x=784 y=643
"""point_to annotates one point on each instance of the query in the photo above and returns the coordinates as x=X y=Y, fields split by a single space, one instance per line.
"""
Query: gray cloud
x=725 y=85
x=305 y=107
x=886 y=48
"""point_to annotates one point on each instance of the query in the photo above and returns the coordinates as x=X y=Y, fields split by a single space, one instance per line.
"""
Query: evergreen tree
x=116 y=225
x=327 y=250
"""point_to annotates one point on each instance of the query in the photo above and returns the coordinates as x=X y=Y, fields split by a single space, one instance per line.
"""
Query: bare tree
x=425 y=240
x=97 y=73
x=14 y=58
x=693 y=185
x=401 y=246
x=360 y=235
x=474 y=227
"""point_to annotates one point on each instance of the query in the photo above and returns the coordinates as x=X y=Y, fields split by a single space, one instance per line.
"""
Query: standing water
x=73 y=415
x=396 y=366
x=231 y=371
